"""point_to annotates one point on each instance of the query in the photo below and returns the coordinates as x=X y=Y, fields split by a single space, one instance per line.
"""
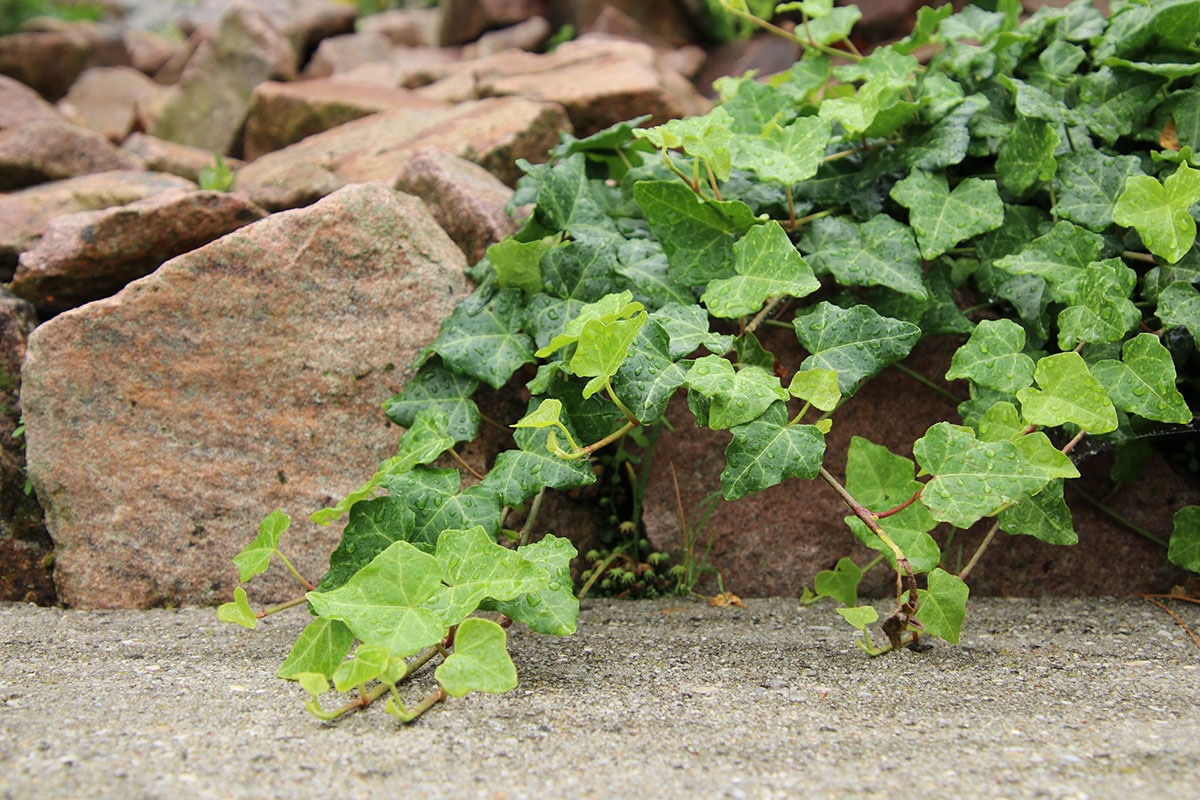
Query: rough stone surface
x=19 y=104
x=25 y=547
x=466 y=200
x=303 y=22
x=177 y=159
x=410 y=27
x=775 y=541
x=284 y=113
x=250 y=377
x=46 y=62
x=149 y=52
x=633 y=84
x=93 y=254
x=408 y=67
x=464 y=20
x=492 y=133
x=213 y=96
x=24 y=215
x=342 y=53
x=47 y=150
x=527 y=35
x=110 y=101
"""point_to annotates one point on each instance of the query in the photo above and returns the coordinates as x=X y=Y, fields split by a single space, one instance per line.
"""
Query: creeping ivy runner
x=1031 y=191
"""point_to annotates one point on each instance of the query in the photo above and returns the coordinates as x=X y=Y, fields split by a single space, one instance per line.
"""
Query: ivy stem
x=427 y=702
x=902 y=506
x=807 y=219
x=791 y=207
x=764 y=313
x=921 y=379
x=1135 y=256
x=308 y=585
x=800 y=40
x=1069 y=446
x=269 y=610
x=607 y=440
x=629 y=415
x=991 y=534
x=454 y=454
x=1116 y=517
x=712 y=181
x=534 y=508
x=695 y=187
x=869 y=519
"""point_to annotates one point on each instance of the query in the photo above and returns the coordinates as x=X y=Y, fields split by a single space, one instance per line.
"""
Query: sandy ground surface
x=1050 y=698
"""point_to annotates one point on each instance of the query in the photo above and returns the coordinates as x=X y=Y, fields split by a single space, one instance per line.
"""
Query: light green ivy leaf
x=766 y=265
x=943 y=218
x=1044 y=516
x=255 y=558
x=769 y=450
x=735 y=397
x=1143 y=381
x=321 y=647
x=992 y=357
x=943 y=605
x=1159 y=211
x=1067 y=393
x=480 y=661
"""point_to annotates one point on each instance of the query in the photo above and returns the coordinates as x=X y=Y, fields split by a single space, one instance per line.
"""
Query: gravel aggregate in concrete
x=1054 y=698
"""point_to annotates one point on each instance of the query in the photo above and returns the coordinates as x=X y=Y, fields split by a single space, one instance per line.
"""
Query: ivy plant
x=1031 y=190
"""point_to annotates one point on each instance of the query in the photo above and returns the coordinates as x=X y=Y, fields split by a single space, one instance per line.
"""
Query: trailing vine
x=1044 y=168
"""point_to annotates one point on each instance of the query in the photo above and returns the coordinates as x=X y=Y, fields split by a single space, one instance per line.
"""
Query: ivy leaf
x=1100 y=309
x=648 y=377
x=380 y=604
x=766 y=265
x=855 y=342
x=519 y=264
x=553 y=610
x=255 y=558
x=480 y=661
x=420 y=444
x=373 y=526
x=992 y=357
x=972 y=478
x=832 y=27
x=784 y=155
x=767 y=451
x=840 y=583
x=1058 y=256
x=1044 y=516
x=643 y=265
x=609 y=308
x=1090 y=182
x=1179 y=304
x=943 y=218
x=1159 y=211
x=483 y=339
x=580 y=270
x=473 y=567
x=687 y=329
x=881 y=480
x=1113 y=103
x=1067 y=393
x=474 y=506
x=735 y=397
x=1143 y=381
x=881 y=252
x=603 y=346
x=947 y=141
x=1184 y=547
x=321 y=647
x=943 y=605
x=369 y=662
x=566 y=199
x=1027 y=158
x=518 y=475
x=817 y=386
x=753 y=105
x=697 y=235
x=708 y=137
x=437 y=385
x=238 y=611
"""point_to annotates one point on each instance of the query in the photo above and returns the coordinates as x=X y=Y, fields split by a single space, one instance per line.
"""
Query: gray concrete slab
x=1052 y=698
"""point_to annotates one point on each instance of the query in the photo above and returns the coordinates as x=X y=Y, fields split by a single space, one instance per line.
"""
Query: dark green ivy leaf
x=436 y=385
x=767 y=451
x=482 y=338
x=697 y=235
x=854 y=342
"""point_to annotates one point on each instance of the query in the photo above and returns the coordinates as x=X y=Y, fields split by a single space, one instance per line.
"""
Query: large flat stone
x=165 y=422
x=493 y=133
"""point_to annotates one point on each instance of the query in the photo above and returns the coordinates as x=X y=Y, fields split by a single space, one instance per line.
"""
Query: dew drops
x=533 y=600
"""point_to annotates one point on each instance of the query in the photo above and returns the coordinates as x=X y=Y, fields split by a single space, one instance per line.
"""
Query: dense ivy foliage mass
x=1042 y=171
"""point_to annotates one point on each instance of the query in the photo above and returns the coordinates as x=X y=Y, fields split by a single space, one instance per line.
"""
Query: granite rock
x=164 y=422
x=48 y=150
